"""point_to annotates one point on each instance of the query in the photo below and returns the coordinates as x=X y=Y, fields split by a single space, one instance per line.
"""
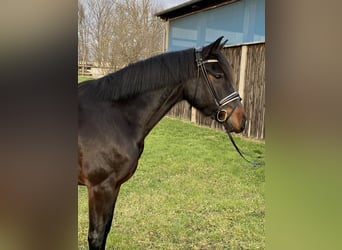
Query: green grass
x=191 y=191
x=84 y=78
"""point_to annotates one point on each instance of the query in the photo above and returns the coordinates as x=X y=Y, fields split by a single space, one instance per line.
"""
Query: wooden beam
x=243 y=64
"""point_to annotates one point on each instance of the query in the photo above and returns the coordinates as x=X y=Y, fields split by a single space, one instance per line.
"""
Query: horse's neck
x=155 y=105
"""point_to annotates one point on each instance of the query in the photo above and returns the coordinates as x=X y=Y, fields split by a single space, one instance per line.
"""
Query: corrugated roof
x=190 y=7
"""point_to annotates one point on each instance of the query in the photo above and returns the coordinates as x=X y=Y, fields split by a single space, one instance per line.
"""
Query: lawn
x=191 y=191
x=84 y=78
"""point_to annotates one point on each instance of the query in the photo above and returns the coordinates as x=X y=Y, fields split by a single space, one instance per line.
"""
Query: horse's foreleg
x=102 y=200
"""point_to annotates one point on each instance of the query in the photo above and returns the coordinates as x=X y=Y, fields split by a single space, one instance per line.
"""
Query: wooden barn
x=199 y=22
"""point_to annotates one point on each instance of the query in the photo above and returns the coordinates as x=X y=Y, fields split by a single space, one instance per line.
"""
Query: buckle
x=221 y=116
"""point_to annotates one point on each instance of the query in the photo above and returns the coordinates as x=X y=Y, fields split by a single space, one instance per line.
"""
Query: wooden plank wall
x=254 y=101
x=253 y=83
x=181 y=110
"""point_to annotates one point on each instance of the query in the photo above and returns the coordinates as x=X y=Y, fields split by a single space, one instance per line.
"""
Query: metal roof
x=190 y=7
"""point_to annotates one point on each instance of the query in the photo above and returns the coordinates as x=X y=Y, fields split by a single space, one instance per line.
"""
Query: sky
x=171 y=3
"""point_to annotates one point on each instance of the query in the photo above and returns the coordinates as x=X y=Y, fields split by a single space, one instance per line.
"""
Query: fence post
x=193 y=115
x=243 y=64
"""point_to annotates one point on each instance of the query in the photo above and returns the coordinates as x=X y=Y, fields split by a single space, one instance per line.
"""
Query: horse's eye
x=218 y=75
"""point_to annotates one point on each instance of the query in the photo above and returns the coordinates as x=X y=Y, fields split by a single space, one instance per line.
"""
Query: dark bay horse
x=117 y=112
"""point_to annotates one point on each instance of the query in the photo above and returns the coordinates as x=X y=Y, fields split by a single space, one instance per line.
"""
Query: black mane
x=153 y=73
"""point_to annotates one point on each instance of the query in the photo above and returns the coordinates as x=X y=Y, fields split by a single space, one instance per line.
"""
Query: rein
x=221 y=115
x=241 y=153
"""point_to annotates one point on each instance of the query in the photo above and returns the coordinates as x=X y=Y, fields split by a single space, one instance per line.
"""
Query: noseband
x=220 y=114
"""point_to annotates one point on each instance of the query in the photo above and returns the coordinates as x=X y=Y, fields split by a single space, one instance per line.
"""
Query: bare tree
x=143 y=33
x=101 y=15
x=120 y=31
x=83 y=36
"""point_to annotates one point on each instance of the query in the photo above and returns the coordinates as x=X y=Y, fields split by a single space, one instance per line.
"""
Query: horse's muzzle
x=237 y=121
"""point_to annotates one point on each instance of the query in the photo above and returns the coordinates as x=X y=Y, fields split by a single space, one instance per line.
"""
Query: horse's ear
x=222 y=44
x=207 y=50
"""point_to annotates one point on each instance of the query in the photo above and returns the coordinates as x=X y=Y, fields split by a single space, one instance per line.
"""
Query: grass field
x=83 y=78
x=191 y=191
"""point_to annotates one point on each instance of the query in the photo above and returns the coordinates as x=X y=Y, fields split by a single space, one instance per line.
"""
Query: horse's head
x=212 y=92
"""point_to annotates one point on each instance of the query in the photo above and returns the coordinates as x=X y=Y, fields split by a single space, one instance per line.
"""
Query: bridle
x=221 y=115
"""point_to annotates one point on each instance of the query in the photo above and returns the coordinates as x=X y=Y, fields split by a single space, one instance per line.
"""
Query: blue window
x=239 y=22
